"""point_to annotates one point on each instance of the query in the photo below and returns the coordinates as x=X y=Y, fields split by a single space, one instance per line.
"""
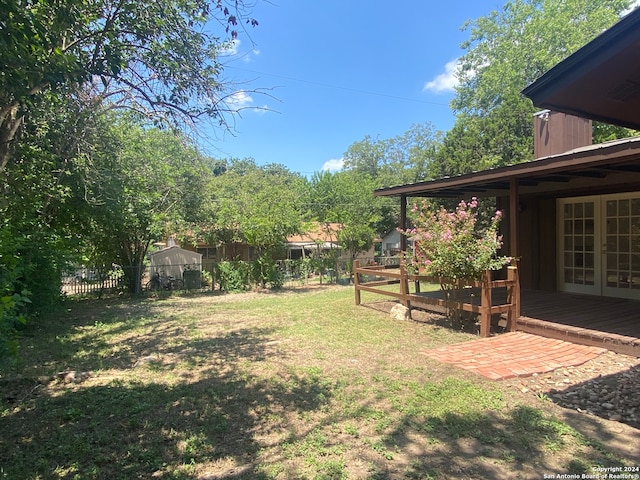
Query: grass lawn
x=297 y=384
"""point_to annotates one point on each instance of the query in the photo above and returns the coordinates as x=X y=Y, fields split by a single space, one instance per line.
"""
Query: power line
x=338 y=87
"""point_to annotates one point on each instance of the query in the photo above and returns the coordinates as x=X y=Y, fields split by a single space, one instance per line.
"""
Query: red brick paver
x=515 y=354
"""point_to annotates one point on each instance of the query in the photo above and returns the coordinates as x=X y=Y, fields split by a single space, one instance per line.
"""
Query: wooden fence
x=384 y=275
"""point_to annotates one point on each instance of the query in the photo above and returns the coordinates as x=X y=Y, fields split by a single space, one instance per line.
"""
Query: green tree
x=158 y=58
x=144 y=187
x=256 y=205
x=346 y=198
x=402 y=159
x=507 y=50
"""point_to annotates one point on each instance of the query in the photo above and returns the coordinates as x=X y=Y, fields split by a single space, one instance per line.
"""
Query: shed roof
x=600 y=81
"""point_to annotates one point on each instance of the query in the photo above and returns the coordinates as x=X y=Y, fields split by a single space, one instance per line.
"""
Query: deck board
x=613 y=322
x=584 y=319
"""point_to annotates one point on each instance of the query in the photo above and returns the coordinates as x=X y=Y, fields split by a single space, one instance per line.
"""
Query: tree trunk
x=10 y=122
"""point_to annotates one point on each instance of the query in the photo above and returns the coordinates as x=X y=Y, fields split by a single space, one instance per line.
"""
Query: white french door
x=599 y=245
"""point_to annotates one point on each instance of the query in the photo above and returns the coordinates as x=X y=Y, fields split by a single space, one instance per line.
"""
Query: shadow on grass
x=218 y=420
x=138 y=430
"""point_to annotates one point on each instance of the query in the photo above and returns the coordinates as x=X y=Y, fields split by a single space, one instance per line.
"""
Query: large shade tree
x=507 y=50
x=247 y=204
x=146 y=182
x=157 y=57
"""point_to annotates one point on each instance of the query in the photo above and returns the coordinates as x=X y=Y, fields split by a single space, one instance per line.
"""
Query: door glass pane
x=623 y=243
x=568 y=260
x=568 y=243
x=589 y=209
x=579 y=231
x=623 y=208
x=612 y=208
x=589 y=243
x=578 y=210
x=578 y=244
x=588 y=260
x=588 y=226
x=589 y=277
x=568 y=210
x=579 y=259
x=623 y=226
x=635 y=206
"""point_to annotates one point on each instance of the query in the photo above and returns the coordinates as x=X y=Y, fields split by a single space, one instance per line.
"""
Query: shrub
x=448 y=244
x=233 y=276
x=452 y=247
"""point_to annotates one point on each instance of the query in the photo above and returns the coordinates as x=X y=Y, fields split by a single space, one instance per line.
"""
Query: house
x=318 y=240
x=572 y=215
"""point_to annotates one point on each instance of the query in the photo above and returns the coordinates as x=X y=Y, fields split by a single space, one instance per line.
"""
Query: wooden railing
x=399 y=276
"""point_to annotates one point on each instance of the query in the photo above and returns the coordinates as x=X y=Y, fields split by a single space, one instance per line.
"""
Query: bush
x=448 y=244
x=233 y=276
x=452 y=247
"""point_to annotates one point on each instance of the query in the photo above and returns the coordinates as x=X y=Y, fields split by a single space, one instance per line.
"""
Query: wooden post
x=513 y=294
x=514 y=217
x=404 y=284
x=485 y=305
x=356 y=280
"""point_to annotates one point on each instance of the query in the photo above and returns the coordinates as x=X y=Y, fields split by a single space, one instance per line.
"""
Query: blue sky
x=334 y=71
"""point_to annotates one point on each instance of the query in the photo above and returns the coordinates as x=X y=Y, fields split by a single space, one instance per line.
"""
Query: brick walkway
x=515 y=354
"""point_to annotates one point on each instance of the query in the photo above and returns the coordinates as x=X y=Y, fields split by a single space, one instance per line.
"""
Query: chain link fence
x=226 y=276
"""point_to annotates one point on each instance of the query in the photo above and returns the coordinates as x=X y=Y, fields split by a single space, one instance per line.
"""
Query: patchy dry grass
x=298 y=384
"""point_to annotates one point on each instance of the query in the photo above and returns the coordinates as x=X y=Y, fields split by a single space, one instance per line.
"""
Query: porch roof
x=600 y=81
x=618 y=161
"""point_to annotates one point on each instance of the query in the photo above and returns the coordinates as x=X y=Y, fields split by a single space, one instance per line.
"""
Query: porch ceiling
x=601 y=81
x=606 y=166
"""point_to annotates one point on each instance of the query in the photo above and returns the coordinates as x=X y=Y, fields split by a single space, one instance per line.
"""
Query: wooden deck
x=612 y=323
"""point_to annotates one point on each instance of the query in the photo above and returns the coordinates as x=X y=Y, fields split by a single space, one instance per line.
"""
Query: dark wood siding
x=537 y=241
x=558 y=133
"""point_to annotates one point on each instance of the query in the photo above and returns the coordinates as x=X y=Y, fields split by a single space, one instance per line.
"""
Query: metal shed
x=174 y=261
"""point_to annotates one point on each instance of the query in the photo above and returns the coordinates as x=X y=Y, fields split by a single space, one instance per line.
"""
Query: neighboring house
x=572 y=215
x=320 y=239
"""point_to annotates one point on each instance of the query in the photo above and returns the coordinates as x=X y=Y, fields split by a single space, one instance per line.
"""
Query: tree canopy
x=159 y=58
x=507 y=50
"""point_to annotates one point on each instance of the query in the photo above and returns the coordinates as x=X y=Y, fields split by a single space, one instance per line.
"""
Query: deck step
x=582 y=336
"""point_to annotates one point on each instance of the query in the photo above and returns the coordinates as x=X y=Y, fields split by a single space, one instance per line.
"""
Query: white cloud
x=230 y=48
x=445 y=82
x=333 y=165
x=249 y=56
x=239 y=100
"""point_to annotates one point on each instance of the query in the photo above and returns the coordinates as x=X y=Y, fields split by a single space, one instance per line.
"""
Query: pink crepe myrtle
x=451 y=245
